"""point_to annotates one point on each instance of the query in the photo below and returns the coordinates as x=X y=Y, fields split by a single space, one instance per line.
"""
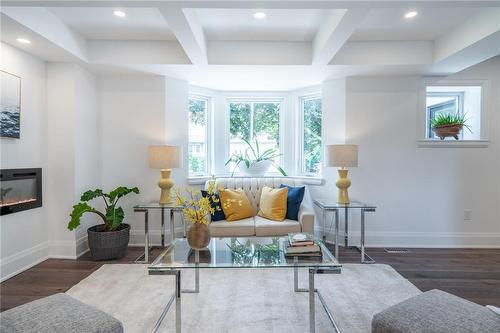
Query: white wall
x=73 y=159
x=132 y=117
x=24 y=235
x=421 y=193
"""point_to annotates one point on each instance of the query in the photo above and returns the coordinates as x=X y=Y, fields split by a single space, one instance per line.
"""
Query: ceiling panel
x=429 y=24
x=280 y=24
x=100 y=23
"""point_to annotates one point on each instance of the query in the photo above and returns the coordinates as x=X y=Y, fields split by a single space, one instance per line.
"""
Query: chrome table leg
x=144 y=258
x=346 y=228
x=172 y=225
x=365 y=259
x=312 y=311
x=337 y=234
x=162 y=227
x=324 y=225
x=178 y=308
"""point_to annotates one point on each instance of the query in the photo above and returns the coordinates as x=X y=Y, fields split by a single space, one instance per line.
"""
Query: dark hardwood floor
x=470 y=273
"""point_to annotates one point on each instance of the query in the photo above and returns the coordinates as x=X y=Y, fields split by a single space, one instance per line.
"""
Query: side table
x=328 y=206
x=144 y=208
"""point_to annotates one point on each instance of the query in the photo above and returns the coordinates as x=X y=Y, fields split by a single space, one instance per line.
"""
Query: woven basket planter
x=108 y=245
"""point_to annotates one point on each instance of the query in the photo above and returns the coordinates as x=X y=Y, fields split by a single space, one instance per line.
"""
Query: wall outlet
x=467 y=214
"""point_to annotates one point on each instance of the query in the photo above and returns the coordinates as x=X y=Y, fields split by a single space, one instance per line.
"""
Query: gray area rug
x=244 y=300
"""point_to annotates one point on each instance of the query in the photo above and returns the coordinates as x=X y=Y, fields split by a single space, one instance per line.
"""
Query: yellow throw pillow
x=235 y=204
x=273 y=203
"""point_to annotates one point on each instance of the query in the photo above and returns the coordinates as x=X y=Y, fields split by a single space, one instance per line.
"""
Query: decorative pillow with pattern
x=235 y=204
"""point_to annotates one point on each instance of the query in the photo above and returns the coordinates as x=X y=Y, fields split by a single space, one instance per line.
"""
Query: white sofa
x=257 y=225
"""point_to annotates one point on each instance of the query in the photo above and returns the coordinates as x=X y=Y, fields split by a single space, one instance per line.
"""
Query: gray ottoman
x=58 y=313
x=436 y=311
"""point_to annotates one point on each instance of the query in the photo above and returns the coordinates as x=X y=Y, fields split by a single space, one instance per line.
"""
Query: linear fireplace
x=20 y=189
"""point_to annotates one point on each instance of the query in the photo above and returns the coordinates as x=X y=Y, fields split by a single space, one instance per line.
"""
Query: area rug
x=244 y=300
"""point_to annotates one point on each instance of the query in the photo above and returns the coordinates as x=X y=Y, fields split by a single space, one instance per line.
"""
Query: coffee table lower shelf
x=311 y=290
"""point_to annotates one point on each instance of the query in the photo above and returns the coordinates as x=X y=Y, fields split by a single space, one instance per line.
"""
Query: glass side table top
x=252 y=252
x=329 y=204
x=157 y=205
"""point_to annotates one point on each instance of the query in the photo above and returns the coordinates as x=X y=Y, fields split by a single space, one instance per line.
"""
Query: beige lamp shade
x=341 y=156
x=164 y=157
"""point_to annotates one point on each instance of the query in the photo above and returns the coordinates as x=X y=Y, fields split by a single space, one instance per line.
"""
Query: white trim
x=420 y=239
x=306 y=180
x=33 y=256
x=430 y=143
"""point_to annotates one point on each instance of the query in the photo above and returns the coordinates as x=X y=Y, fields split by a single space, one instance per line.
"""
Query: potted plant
x=445 y=125
x=108 y=240
x=196 y=210
x=254 y=163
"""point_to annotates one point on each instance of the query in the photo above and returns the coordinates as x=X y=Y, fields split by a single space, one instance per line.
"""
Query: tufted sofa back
x=253 y=186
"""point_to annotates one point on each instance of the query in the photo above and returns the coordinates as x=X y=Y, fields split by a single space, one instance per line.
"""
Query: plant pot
x=448 y=130
x=198 y=236
x=256 y=169
x=108 y=245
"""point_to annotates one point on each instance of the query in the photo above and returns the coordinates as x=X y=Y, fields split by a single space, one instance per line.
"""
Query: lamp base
x=165 y=184
x=343 y=184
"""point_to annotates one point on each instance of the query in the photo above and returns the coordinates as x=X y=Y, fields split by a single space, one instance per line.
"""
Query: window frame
x=422 y=138
x=208 y=134
x=300 y=130
x=254 y=100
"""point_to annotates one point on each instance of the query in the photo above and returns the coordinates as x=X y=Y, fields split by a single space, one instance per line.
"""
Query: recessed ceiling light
x=119 y=13
x=23 y=40
x=259 y=15
x=411 y=14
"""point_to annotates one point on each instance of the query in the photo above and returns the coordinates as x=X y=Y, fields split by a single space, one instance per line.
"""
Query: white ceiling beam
x=188 y=32
x=472 y=31
x=385 y=53
x=336 y=29
x=136 y=52
x=267 y=4
x=259 y=53
x=47 y=25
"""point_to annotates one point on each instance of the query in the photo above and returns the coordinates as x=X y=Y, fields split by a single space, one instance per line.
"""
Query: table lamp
x=342 y=156
x=164 y=158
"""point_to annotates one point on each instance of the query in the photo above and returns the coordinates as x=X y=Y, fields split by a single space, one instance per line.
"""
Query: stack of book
x=302 y=245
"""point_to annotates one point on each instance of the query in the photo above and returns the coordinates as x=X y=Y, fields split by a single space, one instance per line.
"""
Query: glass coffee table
x=244 y=253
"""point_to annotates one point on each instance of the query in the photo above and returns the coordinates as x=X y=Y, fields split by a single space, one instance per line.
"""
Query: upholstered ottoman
x=58 y=313
x=436 y=311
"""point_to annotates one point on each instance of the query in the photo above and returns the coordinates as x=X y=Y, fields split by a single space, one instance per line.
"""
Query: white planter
x=256 y=169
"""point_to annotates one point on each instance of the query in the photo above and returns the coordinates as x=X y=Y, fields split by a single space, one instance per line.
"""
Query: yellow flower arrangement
x=196 y=207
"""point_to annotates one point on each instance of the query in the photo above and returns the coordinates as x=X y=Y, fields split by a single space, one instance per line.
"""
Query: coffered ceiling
x=222 y=45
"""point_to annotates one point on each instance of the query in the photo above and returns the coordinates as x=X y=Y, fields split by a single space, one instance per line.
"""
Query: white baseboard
x=420 y=239
x=21 y=261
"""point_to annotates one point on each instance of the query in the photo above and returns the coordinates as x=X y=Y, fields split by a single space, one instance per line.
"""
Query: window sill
x=307 y=180
x=429 y=143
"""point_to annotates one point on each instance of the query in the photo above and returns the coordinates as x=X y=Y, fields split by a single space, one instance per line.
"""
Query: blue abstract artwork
x=10 y=108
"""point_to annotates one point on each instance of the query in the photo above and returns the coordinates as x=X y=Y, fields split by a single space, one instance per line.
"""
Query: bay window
x=198 y=153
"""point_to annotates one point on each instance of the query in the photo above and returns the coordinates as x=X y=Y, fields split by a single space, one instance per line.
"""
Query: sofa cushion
x=59 y=313
x=293 y=201
x=265 y=227
x=436 y=311
x=273 y=203
x=235 y=204
x=218 y=215
x=244 y=227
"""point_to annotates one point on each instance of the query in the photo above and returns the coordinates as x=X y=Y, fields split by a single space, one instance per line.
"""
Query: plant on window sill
x=255 y=163
x=446 y=125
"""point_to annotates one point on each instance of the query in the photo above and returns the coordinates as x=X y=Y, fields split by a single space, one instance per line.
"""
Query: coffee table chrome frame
x=176 y=296
x=365 y=258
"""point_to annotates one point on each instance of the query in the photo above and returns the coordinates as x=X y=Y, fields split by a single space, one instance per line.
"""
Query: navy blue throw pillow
x=218 y=215
x=293 y=201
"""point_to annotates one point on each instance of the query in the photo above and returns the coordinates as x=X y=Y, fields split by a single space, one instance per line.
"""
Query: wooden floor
x=470 y=273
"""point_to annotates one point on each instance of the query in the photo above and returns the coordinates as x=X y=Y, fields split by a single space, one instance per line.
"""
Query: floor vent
x=396 y=250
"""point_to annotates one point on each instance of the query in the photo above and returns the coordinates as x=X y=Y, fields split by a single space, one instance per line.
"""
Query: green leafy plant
x=253 y=155
x=450 y=119
x=113 y=215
